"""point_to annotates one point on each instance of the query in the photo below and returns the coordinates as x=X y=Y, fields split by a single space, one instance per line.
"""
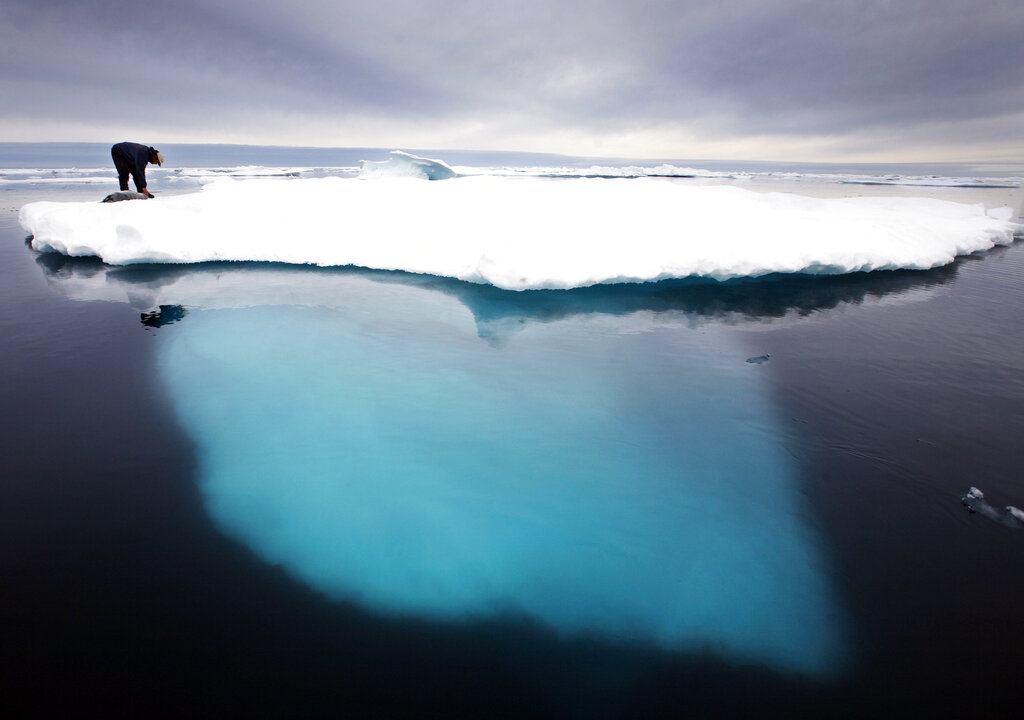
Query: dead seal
x=123 y=195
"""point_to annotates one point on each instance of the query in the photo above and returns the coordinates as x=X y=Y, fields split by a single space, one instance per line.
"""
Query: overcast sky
x=829 y=80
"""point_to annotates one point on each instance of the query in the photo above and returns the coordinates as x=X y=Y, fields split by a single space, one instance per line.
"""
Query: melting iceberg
x=524 y=232
x=402 y=164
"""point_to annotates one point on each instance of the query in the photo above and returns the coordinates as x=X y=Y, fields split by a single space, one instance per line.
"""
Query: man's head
x=155 y=156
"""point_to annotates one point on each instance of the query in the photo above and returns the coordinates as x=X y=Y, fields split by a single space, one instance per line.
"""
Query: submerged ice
x=523 y=232
x=624 y=485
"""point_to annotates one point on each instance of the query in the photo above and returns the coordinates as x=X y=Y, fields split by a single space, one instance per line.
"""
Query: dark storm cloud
x=736 y=67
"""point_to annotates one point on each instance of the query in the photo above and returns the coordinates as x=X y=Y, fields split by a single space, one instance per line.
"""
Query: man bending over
x=131 y=159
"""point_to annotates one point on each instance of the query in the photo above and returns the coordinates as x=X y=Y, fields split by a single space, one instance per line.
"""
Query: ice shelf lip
x=524 y=233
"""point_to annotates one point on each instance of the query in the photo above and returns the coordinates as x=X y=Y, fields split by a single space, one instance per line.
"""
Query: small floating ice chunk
x=403 y=164
x=759 y=360
x=974 y=500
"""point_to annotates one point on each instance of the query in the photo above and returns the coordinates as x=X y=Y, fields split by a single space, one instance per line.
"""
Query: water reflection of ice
x=498 y=313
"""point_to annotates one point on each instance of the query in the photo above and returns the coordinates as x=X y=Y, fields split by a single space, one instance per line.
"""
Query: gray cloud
x=866 y=71
x=804 y=65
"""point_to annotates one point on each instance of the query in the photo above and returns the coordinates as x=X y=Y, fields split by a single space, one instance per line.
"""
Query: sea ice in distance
x=523 y=232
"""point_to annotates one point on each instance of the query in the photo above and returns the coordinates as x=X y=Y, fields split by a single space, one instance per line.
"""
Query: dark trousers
x=125 y=167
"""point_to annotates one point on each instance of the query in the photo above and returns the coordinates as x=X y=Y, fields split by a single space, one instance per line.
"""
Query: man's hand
x=147 y=193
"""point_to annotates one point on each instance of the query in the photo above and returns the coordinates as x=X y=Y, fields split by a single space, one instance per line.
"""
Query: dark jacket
x=134 y=158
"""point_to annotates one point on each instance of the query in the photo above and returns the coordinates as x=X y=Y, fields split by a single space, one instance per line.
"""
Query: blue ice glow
x=605 y=476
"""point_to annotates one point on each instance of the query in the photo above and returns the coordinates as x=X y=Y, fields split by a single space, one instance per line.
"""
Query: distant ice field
x=186 y=175
x=523 y=232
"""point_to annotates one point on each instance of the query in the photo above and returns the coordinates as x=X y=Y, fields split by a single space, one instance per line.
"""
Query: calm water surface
x=337 y=491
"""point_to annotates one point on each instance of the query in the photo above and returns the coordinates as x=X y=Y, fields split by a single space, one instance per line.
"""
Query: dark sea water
x=316 y=492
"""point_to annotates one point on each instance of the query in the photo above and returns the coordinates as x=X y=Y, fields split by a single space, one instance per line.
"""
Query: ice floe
x=524 y=232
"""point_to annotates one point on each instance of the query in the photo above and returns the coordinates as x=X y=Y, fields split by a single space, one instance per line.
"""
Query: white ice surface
x=523 y=232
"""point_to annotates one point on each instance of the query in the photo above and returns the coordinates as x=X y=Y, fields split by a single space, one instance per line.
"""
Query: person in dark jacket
x=131 y=159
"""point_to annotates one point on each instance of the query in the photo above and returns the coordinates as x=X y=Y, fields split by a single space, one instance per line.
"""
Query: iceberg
x=402 y=164
x=523 y=233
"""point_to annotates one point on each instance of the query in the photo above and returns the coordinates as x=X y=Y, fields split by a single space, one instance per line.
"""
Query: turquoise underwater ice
x=619 y=477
